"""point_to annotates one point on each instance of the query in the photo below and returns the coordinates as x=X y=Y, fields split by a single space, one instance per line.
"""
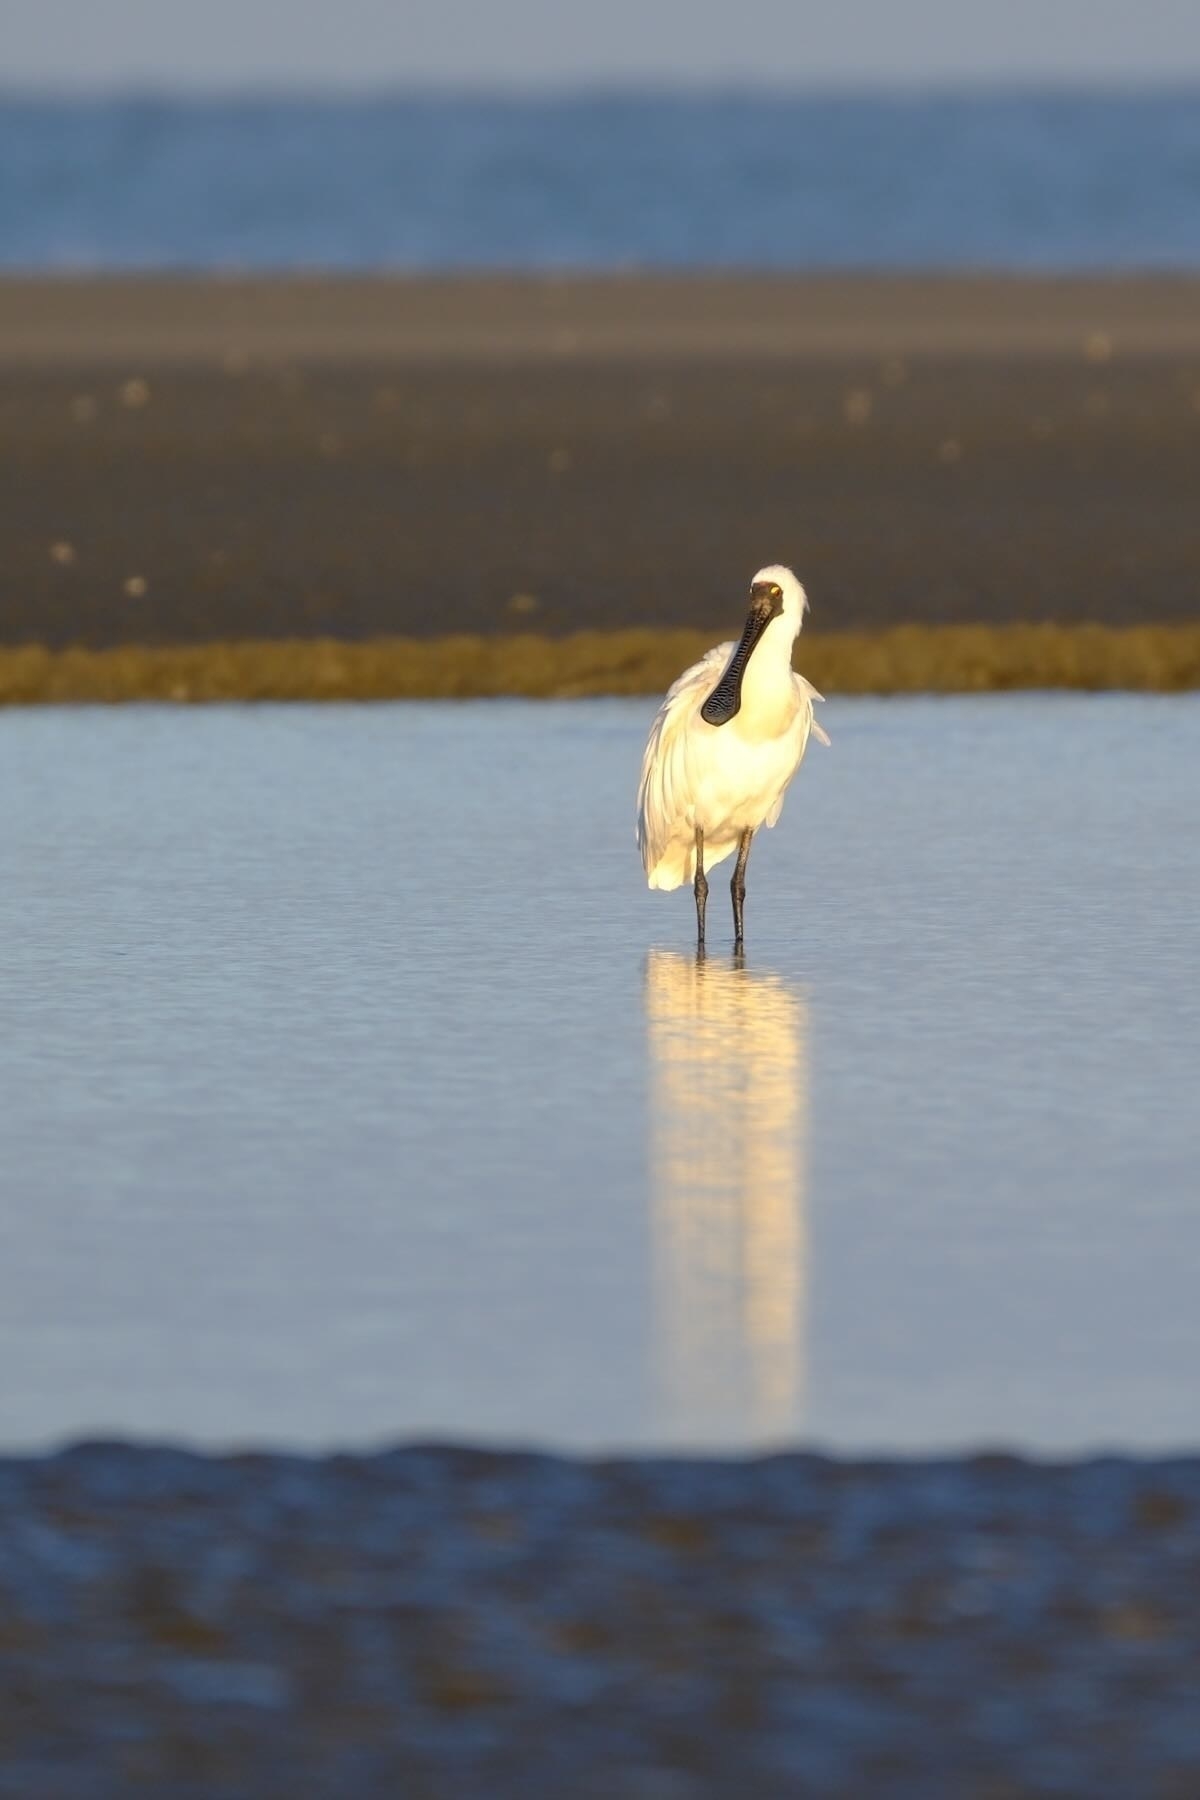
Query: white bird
x=727 y=740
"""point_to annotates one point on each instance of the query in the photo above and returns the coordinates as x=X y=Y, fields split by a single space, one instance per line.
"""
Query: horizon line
x=903 y=88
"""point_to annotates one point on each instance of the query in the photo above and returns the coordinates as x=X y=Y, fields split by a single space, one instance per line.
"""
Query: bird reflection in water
x=728 y=1097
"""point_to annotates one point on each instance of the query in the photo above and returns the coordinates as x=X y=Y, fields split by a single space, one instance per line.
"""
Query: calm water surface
x=1019 y=180
x=355 y=1087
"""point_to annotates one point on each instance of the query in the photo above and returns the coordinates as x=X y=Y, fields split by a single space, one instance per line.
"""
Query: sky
x=520 y=43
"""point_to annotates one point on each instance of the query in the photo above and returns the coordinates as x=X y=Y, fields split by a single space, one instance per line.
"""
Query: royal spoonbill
x=727 y=740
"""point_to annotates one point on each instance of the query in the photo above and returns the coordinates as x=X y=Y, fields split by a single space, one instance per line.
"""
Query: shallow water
x=355 y=1087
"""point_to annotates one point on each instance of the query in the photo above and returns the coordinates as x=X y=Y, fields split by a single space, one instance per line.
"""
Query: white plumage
x=707 y=786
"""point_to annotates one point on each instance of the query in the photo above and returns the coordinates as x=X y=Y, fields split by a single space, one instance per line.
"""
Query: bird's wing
x=663 y=792
x=808 y=726
x=818 y=731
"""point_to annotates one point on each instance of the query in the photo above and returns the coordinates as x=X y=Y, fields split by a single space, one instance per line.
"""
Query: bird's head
x=775 y=593
x=777 y=603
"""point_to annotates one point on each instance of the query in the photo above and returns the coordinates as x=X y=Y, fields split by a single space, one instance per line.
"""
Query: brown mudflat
x=185 y=462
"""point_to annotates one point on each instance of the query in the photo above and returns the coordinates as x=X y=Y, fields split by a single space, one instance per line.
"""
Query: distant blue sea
x=1034 y=181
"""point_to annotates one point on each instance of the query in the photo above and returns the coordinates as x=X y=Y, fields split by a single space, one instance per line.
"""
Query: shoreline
x=905 y=660
x=182 y=317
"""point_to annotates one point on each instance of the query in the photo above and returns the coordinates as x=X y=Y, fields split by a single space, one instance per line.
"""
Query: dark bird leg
x=737 y=886
x=700 y=887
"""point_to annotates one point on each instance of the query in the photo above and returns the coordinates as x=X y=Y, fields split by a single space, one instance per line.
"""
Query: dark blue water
x=1025 y=182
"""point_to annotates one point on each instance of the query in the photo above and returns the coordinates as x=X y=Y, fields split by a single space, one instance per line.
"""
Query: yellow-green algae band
x=909 y=659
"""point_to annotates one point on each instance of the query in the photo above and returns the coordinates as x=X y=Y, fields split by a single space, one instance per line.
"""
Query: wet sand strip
x=905 y=660
x=451 y=1621
x=236 y=321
